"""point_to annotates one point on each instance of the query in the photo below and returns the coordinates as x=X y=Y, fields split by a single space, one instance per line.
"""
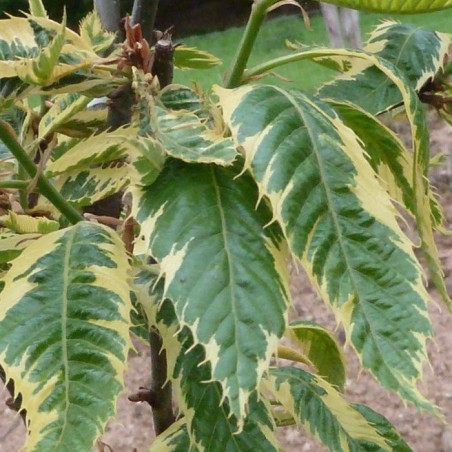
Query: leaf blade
x=341 y=224
x=68 y=356
x=321 y=349
x=321 y=409
x=211 y=260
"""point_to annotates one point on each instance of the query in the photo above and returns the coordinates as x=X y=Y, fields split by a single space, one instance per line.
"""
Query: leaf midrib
x=334 y=216
x=64 y=353
x=228 y=255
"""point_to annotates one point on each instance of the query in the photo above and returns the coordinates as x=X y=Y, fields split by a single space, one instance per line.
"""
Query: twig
x=103 y=219
x=109 y=13
x=160 y=388
x=128 y=234
x=159 y=395
x=163 y=66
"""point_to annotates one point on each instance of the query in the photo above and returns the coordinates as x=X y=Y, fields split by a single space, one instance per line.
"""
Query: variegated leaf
x=29 y=47
x=26 y=224
x=97 y=149
x=43 y=30
x=173 y=439
x=11 y=245
x=215 y=256
x=340 y=223
x=426 y=216
x=186 y=137
x=64 y=107
x=394 y=6
x=143 y=112
x=39 y=70
x=384 y=428
x=94 y=34
x=146 y=296
x=86 y=186
x=37 y=8
x=211 y=428
x=180 y=97
x=147 y=157
x=83 y=123
x=322 y=410
x=191 y=58
x=321 y=349
x=17 y=41
x=385 y=151
x=396 y=166
x=159 y=312
x=64 y=334
x=418 y=53
x=210 y=425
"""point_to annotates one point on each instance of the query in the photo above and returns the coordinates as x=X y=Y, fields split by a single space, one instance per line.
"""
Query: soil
x=132 y=430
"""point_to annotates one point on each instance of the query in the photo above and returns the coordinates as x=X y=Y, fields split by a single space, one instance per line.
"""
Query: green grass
x=271 y=44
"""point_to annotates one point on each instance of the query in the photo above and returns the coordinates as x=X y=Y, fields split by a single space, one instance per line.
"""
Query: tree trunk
x=342 y=25
x=109 y=13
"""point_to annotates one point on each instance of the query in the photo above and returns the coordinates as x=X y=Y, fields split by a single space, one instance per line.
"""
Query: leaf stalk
x=258 y=13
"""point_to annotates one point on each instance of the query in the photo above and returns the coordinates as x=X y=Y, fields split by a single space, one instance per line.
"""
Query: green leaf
x=322 y=410
x=394 y=6
x=94 y=34
x=97 y=149
x=192 y=58
x=340 y=223
x=26 y=224
x=418 y=53
x=321 y=349
x=64 y=334
x=223 y=270
x=11 y=245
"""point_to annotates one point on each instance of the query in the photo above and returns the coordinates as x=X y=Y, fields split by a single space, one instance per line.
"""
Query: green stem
x=12 y=183
x=277 y=62
x=45 y=187
x=257 y=17
x=306 y=53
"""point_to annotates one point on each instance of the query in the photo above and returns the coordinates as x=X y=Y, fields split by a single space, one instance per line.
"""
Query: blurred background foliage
x=199 y=16
x=217 y=26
